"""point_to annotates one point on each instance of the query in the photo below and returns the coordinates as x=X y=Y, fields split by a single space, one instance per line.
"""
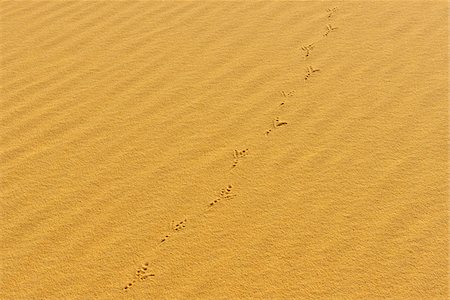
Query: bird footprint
x=238 y=155
x=331 y=11
x=225 y=194
x=288 y=94
x=141 y=274
x=175 y=227
x=275 y=124
x=179 y=226
x=310 y=71
x=307 y=49
x=329 y=29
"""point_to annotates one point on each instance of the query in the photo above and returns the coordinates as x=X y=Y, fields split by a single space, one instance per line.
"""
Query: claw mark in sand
x=238 y=155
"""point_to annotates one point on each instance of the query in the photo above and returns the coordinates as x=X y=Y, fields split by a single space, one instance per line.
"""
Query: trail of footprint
x=142 y=273
x=307 y=49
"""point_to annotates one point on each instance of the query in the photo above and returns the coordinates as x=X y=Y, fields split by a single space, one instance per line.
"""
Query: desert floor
x=224 y=150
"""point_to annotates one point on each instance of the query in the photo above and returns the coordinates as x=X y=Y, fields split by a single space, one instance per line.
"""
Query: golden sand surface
x=224 y=150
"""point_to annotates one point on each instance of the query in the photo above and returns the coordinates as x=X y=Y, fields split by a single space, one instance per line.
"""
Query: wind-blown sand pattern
x=224 y=150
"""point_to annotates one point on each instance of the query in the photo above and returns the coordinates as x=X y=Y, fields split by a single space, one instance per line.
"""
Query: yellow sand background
x=119 y=118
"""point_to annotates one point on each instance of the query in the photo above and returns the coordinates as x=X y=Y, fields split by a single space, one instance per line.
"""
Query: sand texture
x=224 y=150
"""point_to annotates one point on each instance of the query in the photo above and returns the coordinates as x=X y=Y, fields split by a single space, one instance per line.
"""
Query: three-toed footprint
x=141 y=274
x=238 y=155
x=225 y=194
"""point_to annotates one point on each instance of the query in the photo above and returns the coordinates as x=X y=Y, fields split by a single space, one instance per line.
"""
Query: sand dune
x=224 y=150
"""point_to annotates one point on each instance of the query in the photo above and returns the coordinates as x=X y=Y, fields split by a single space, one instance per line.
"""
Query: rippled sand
x=224 y=150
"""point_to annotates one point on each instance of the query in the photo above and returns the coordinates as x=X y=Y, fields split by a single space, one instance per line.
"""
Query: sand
x=224 y=150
